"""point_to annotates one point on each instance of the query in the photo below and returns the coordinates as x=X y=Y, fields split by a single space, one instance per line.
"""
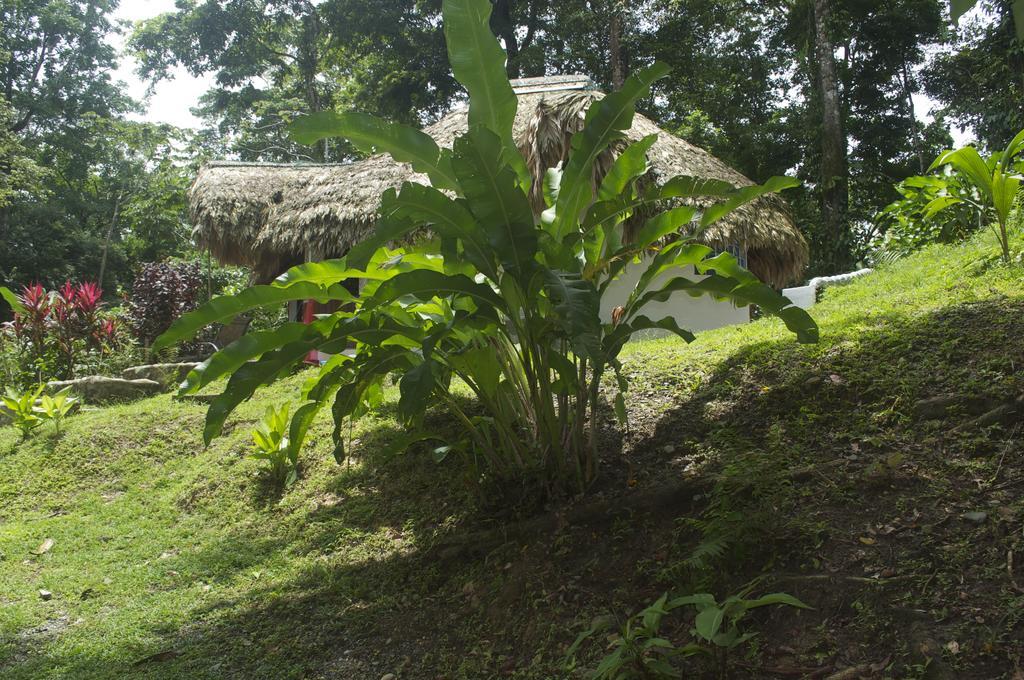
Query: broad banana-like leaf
x=226 y=307
x=937 y=205
x=663 y=224
x=247 y=379
x=249 y=346
x=687 y=186
x=630 y=165
x=1005 y=190
x=449 y=219
x=1015 y=146
x=744 y=292
x=968 y=161
x=415 y=389
x=372 y=135
x=619 y=335
x=501 y=208
x=12 y=299
x=606 y=121
x=424 y=285
x=478 y=62
x=301 y=421
x=744 y=195
x=774 y=598
x=577 y=305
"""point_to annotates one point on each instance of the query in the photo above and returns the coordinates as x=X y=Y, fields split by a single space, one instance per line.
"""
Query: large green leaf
x=226 y=307
x=605 y=123
x=415 y=389
x=708 y=622
x=12 y=299
x=478 y=62
x=796 y=319
x=494 y=197
x=1005 y=190
x=620 y=334
x=301 y=421
x=249 y=346
x=969 y=162
x=245 y=381
x=425 y=284
x=1016 y=145
x=631 y=164
x=745 y=195
x=449 y=219
x=578 y=307
x=774 y=598
x=372 y=135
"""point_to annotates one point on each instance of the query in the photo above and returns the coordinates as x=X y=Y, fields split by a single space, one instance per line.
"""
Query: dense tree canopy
x=820 y=88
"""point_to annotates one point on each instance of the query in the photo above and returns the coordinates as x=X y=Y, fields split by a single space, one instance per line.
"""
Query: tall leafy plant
x=500 y=299
x=996 y=181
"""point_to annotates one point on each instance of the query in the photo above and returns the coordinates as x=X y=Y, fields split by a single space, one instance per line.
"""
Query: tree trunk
x=504 y=27
x=837 y=255
x=915 y=138
x=110 y=235
x=615 y=55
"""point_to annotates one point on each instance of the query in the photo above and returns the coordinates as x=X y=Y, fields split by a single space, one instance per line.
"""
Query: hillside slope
x=876 y=475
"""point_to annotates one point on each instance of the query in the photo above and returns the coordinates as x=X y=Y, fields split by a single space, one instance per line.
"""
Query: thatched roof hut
x=271 y=216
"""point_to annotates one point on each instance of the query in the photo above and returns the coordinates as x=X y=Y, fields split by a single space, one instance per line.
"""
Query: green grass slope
x=876 y=475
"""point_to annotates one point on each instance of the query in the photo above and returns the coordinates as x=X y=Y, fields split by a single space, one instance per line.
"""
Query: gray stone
x=976 y=517
x=168 y=375
x=45 y=594
x=98 y=389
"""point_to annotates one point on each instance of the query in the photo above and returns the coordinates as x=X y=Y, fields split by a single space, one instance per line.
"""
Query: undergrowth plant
x=270 y=444
x=22 y=409
x=997 y=183
x=641 y=651
x=54 y=408
x=498 y=298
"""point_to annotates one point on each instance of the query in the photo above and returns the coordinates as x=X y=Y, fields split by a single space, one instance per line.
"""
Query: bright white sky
x=171 y=99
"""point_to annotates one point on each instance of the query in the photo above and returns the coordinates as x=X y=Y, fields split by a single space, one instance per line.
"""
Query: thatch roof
x=271 y=216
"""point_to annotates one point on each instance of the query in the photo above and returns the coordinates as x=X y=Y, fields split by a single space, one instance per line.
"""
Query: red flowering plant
x=57 y=332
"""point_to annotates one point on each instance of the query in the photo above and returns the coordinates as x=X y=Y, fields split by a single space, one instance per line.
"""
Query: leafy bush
x=997 y=182
x=270 y=441
x=503 y=302
x=57 y=334
x=971 y=192
x=162 y=292
x=909 y=224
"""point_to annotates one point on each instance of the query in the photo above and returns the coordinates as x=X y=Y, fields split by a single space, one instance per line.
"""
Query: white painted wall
x=695 y=314
x=806 y=296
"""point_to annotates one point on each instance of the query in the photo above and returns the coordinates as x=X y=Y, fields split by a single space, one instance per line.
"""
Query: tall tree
x=836 y=252
x=980 y=83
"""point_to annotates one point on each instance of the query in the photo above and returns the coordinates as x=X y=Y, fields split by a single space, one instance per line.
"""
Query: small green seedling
x=22 y=407
x=638 y=651
x=717 y=623
x=55 y=408
x=271 y=444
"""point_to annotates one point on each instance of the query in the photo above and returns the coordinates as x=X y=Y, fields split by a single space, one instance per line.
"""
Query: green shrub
x=498 y=300
x=270 y=443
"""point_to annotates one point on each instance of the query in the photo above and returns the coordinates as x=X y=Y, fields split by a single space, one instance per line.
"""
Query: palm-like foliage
x=498 y=299
x=997 y=183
